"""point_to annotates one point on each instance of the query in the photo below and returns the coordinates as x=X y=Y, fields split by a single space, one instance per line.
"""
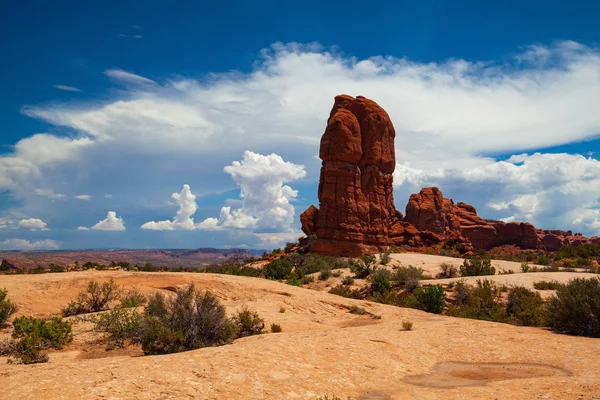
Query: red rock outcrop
x=356 y=211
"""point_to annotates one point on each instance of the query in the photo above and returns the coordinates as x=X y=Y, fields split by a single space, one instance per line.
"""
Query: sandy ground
x=323 y=350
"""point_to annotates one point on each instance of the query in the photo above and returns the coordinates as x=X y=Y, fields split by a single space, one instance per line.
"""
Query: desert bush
x=119 y=325
x=407 y=277
x=324 y=274
x=336 y=274
x=384 y=259
x=189 y=320
x=407 y=325
x=73 y=308
x=364 y=266
x=478 y=302
x=282 y=309
x=357 y=310
x=448 y=271
x=233 y=269
x=133 y=298
x=380 y=282
x=52 y=332
x=289 y=246
x=97 y=296
x=550 y=268
x=524 y=267
x=307 y=279
x=345 y=291
x=348 y=280
x=477 y=266
x=506 y=272
x=431 y=299
x=395 y=298
x=7 y=308
x=525 y=307
x=575 y=309
x=278 y=269
x=27 y=350
x=542 y=259
x=4 y=266
x=248 y=323
x=275 y=328
x=57 y=268
x=293 y=279
x=546 y=285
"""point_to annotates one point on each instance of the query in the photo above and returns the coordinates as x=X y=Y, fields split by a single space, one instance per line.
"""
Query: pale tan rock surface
x=323 y=349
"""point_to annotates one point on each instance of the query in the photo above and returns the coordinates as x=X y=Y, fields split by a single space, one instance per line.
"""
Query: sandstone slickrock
x=356 y=211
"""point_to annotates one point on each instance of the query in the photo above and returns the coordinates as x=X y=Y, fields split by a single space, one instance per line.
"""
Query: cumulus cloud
x=22 y=244
x=550 y=190
x=183 y=220
x=49 y=193
x=83 y=197
x=83 y=228
x=447 y=115
x=32 y=223
x=265 y=199
x=110 y=223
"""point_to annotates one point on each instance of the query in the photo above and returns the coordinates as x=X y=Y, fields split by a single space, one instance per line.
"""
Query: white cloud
x=553 y=191
x=32 y=223
x=7 y=223
x=447 y=116
x=49 y=193
x=127 y=77
x=83 y=228
x=111 y=223
x=183 y=219
x=265 y=199
x=83 y=197
x=22 y=244
x=67 y=88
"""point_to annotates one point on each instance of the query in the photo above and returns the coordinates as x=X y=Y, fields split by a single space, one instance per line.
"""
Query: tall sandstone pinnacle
x=357 y=212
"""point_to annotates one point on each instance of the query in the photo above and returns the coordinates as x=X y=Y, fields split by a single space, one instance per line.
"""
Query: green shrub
x=431 y=299
x=7 y=308
x=364 y=266
x=189 y=320
x=278 y=269
x=448 y=271
x=546 y=285
x=478 y=302
x=407 y=277
x=394 y=298
x=133 y=299
x=345 y=291
x=275 y=328
x=57 y=268
x=248 y=323
x=575 y=309
x=542 y=260
x=73 y=308
x=324 y=274
x=97 y=296
x=4 y=266
x=307 y=279
x=119 y=325
x=380 y=282
x=27 y=350
x=348 y=280
x=53 y=332
x=407 y=325
x=477 y=266
x=524 y=267
x=385 y=258
x=525 y=307
x=293 y=279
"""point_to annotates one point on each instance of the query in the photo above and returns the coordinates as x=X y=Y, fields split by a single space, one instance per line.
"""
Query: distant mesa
x=356 y=211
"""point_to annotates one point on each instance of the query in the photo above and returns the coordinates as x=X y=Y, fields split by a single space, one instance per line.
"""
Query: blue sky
x=132 y=102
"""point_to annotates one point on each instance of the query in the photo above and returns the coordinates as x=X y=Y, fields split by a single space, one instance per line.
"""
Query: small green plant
x=348 y=280
x=385 y=257
x=354 y=309
x=278 y=269
x=364 y=266
x=275 y=328
x=380 y=282
x=52 y=332
x=448 y=271
x=407 y=325
x=431 y=299
x=98 y=296
x=324 y=274
x=133 y=299
x=479 y=302
x=524 y=267
x=407 y=278
x=27 y=350
x=73 y=308
x=345 y=291
x=575 y=309
x=546 y=285
x=282 y=309
x=525 y=307
x=119 y=325
x=7 y=308
x=307 y=279
x=477 y=266
x=248 y=322
x=57 y=268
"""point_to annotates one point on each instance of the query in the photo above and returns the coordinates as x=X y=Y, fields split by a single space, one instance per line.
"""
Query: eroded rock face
x=356 y=211
x=356 y=203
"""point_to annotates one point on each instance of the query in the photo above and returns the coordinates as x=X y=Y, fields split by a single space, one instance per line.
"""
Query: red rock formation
x=357 y=212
